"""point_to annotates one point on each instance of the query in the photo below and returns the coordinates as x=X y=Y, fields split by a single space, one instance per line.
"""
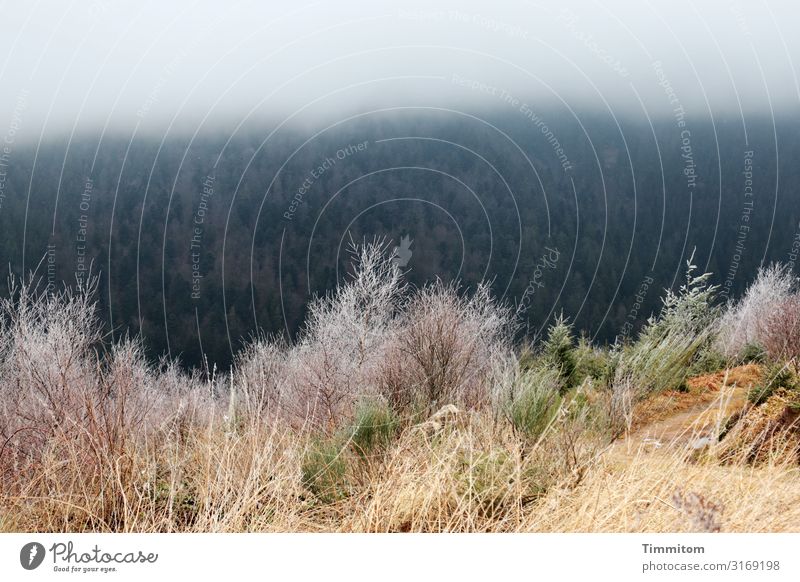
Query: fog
x=167 y=66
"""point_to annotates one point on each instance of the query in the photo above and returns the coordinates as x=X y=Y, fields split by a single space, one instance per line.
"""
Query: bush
x=774 y=377
x=445 y=349
x=374 y=427
x=707 y=361
x=591 y=362
x=343 y=341
x=47 y=359
x=559 y=352
x=743 y=321
x=669 y=343
x=324 y=470
x=535 y=403
x=780 y=330
x=753 y=353
x=257 y=383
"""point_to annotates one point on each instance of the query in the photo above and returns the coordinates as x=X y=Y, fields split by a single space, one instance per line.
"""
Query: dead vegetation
x=396 y=410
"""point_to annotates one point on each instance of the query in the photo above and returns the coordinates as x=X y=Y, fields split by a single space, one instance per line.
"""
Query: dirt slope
x=682 y=419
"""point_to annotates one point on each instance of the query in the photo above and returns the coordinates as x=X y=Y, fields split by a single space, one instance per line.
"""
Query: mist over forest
x=212 y=168
x=202 y=241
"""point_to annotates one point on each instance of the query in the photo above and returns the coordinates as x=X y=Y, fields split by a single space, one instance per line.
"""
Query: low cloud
x=151 y=66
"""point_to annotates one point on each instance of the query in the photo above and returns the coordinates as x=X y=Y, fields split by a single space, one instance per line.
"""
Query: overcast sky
x=122 y=64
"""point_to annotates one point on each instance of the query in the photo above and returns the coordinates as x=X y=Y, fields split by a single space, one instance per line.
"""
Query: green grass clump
x=374 y=427
x=753 y=353
x=486 y=478
x=535 y=403
x=330 y=465
x=774 y=377
x=324 y=470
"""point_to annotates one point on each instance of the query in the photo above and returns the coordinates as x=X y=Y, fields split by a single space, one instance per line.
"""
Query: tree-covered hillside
x=204 y=240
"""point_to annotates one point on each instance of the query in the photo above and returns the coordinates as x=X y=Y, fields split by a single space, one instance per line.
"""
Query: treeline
x=202 y=242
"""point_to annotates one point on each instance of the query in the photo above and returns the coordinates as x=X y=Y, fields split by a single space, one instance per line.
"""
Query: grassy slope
x=472 y=476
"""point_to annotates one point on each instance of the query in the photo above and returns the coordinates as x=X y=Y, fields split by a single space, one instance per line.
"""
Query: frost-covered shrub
x=258 y=381
x=446 y=346
x=743 y=322
x=47 y=365
x=338 y=356
x=780 y=330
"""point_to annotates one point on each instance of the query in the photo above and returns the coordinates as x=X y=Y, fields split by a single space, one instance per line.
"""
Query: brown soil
x=678 y=418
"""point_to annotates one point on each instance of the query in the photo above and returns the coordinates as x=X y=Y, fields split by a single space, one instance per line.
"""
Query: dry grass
x=636 y=494
x=391 y=414
x=472 y=477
